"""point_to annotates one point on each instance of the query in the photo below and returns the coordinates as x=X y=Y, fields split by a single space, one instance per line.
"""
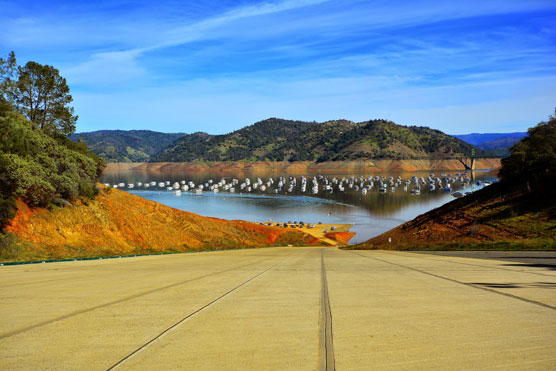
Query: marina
x=372 y=204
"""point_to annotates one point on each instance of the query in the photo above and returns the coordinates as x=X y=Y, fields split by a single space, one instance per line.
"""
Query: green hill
x=126 y=146
x=286 y=140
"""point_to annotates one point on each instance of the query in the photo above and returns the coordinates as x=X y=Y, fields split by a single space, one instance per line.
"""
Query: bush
x=87 y=190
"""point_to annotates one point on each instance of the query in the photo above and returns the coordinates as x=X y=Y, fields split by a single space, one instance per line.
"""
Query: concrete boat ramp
x=279 y=309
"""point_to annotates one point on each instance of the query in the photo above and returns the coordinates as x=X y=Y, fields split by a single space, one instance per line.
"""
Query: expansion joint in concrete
x=463 y=283
x=142 y=347
x=326 y=340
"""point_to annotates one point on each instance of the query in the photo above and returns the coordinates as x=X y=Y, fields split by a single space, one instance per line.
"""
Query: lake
x=371 y=214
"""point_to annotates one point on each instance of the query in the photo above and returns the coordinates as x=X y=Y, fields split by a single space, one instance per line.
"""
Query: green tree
x=533 y=159
x=39 y=93
x=43 y=97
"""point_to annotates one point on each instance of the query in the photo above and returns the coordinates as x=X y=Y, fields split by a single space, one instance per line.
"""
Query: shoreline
x=305 y=167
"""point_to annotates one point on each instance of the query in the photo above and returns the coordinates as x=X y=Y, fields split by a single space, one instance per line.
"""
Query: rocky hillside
x=126 y=146
x=119 y=223
x=341 y=140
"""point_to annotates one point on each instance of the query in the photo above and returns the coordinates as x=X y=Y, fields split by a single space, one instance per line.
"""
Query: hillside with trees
x=126 y=146
x=519 y=212
x=340 y=140
x=39 y=164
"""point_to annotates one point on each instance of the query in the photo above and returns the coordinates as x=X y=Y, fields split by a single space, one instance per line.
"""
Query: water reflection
x=371 y=214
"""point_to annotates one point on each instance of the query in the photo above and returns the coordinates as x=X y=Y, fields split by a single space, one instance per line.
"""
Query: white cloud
x=106 y=69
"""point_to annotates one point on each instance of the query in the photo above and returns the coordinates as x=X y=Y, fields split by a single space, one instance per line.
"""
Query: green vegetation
x=499 y=147
x=533 y=159
x=39 y=93
x=126 y=146
x=38 y=162
x=284 y=140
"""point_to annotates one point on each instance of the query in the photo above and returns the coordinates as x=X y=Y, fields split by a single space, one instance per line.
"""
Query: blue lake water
x=370 y=214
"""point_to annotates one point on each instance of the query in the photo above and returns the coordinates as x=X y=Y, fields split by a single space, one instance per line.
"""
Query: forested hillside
x=285 y=140
x=39 y=164
x=126 y=146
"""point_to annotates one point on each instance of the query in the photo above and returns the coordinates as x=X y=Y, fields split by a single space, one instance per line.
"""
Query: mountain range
x=277 y=139
x=497 y=144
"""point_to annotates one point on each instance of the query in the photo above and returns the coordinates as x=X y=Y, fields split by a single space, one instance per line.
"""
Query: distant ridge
x=478 y=138
x=277 y=139
x=126 y=145
x=497 y=144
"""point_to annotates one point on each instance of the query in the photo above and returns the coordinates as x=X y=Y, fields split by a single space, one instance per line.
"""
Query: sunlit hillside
x=118 y=223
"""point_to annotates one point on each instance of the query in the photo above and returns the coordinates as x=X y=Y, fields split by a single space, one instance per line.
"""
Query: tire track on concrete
x=122 y=300
x=326 y=340
x=416 y=256
x=460 y=282
x=192 y=314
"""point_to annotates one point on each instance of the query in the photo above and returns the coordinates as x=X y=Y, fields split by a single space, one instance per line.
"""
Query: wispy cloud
x=417 y=61
x=121 y=66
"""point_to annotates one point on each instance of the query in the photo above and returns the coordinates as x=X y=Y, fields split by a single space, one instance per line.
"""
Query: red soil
x=118 y=223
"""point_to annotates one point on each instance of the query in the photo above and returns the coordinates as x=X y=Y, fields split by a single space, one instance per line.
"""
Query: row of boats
x=315 y=184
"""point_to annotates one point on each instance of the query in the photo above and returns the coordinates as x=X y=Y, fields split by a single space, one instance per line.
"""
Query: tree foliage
x=39 y=93
x=533 y=159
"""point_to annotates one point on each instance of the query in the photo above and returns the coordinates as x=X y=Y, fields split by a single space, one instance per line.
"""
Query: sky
x=216 y=66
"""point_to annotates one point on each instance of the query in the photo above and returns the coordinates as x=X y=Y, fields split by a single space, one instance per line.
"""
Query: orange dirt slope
x=119 y=223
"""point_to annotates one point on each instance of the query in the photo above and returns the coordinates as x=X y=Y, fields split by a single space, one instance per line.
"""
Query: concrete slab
x=260 y=309
x=387 y=315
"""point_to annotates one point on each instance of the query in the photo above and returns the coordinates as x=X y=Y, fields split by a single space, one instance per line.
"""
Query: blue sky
x=216 y=66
